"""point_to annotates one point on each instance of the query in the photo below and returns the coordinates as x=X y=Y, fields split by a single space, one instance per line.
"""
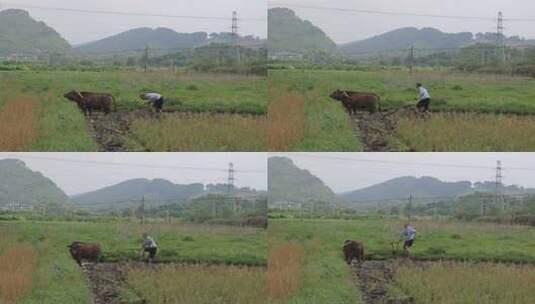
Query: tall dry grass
x=17 y=267
x=202 y=132
x=468 y=132
x=199 y=284
x=459 y=283
x=284 y=271
x=286 y=122
x=18 y=123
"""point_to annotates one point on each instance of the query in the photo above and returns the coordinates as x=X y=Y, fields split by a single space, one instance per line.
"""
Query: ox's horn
x=80 y=95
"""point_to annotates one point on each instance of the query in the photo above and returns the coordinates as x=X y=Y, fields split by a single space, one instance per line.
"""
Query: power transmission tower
x=499 y=186
x=235 y=35
x=235 y=28
x=230 y=186
x=500 y=38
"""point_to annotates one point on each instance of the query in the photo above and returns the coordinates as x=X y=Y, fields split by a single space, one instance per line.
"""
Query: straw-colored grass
x=17 y=267
x=202 y=132
x=460 y=283
x=468 y=132
x=284 y=274
x=18 y=121
x=287 y=122
x=198 y=284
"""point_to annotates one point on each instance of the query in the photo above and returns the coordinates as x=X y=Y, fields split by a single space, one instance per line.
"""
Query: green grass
x=58 y=279
x=188 y=92
x=329 y=128
x=62 y=125
x=326 y=276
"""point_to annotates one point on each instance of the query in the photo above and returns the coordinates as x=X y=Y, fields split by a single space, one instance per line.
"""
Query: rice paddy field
x=37 y=267
x=448 y=263
x=474 y=101
x=38 y=113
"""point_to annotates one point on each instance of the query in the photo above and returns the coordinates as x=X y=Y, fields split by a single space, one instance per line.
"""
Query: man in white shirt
x=408 y=235
x=424 y=98
x=155 y=99
x=149 y=246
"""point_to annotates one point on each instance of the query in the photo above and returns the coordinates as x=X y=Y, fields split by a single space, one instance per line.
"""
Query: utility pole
x=409 y=208
x=168 y=217
x=142 y=210
x=499 y=183
x=411 y=59
x=146 y=58
x=483 y=206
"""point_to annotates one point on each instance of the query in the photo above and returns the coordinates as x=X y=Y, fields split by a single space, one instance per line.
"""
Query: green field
x=61 y=126
x=324 y=274
x=328 y=128
x=56 y=278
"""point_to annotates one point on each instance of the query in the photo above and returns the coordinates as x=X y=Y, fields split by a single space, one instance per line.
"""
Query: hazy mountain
x=287 y=182
x=425 y=187
x=404 y=38
x=21 y=185
x=157 y=191
x=402 y=187
x=21 y=34
x=139 y=38
x=288 y=33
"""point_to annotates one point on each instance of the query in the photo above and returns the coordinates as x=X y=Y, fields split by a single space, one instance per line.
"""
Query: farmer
x=149 y=245
x=155 y=99
x=408 y=234
x=424 y=98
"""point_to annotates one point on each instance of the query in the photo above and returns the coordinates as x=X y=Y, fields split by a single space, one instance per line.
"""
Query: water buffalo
x=89 y=102
x=354 y=101
x=353 y=250
x=84 y=251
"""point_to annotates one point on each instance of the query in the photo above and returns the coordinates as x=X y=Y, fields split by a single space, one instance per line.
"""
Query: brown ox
x=89 y=102
x=353 y=250
x=81 y=251
x=355 y=101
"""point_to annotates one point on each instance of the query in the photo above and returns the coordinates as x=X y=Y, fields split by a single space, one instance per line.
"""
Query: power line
x=102 y=12
x=135 y=165
x=392 y=13
x=428 y=164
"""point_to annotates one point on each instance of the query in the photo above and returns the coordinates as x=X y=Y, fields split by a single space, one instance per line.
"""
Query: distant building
x=286 y=205
x=17 y=207
x=285 y=56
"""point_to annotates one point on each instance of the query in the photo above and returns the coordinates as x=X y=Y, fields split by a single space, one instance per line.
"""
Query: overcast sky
x=345 y=26
x=76 y=177
x=346 y=175
x=78 y=27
